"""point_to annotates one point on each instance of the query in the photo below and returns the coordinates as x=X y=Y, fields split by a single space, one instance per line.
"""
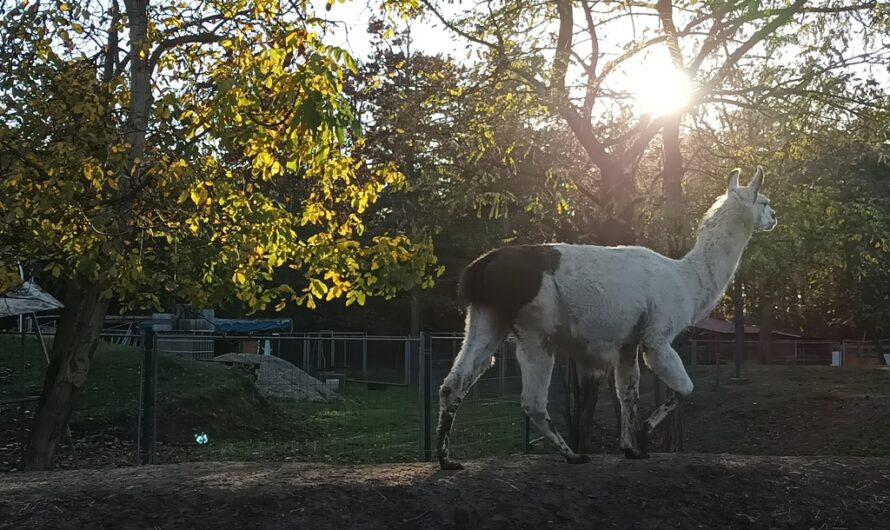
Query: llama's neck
x=714 y=258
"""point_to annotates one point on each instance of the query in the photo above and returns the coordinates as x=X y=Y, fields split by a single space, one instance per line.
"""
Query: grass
x=363 y=425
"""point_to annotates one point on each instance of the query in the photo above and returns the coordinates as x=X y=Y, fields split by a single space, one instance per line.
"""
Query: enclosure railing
x=320 y=396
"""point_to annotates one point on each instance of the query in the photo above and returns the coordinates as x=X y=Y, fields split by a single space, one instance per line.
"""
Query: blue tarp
x=234 y=325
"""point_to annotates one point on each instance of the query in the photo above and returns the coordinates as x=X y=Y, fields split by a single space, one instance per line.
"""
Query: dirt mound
x=666 y=491
x=277 y=378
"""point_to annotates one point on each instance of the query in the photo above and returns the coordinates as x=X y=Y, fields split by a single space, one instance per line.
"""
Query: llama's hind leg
x=627 y=388
x=483 y=337
x=537 y=367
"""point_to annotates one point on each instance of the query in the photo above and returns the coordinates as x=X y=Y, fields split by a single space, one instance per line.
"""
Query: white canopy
x=25 y=299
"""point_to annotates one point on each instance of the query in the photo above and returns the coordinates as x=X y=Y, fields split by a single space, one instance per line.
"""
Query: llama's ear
x=758 y=181
x=733 y=179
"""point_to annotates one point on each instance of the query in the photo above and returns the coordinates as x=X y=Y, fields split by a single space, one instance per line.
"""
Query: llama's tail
x=471 y=288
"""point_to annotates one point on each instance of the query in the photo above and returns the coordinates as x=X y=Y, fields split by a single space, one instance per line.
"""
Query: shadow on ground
x=666 y=491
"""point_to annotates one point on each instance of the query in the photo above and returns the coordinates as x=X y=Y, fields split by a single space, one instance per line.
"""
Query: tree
x=479 y=175
x=191 y=150
x=828 y=182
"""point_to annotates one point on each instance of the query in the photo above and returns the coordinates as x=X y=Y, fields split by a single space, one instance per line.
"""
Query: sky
x=352 y=19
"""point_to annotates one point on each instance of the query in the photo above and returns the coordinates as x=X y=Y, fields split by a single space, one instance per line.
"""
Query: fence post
x=365 y=356
x=426 y=362
x=407 y=379
x=148 y=409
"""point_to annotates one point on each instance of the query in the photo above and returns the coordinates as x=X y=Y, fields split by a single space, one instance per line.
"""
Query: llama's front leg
x=668 y=366
x=537 y=367
x=627 y=387
x=661 y=413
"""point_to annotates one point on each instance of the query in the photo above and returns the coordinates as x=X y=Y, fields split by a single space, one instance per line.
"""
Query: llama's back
x=605 y=291
x=609 y=292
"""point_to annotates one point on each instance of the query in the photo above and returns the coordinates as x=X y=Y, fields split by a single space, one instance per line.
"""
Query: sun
x=661 y=91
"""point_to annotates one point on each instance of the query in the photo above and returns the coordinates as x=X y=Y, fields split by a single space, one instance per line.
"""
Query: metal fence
x=324 y=396
x=333 y=397
x=102 y=428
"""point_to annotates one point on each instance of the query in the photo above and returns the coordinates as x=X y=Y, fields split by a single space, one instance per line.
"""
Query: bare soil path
x=666 y=491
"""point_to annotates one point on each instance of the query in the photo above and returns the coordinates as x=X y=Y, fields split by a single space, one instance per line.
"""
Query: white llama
x=597 y=305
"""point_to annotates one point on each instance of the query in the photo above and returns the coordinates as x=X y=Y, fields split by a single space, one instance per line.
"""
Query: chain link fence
x=330 y=397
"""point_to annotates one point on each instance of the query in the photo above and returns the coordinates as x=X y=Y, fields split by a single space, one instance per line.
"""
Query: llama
x=598 y=305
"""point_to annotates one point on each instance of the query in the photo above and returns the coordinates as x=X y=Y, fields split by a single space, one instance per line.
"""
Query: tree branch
x=665 y=14
x=590 y=93
x=784 y=15
x=429 y=5
x=563 y=45
x=167 y=44
x=112 y=51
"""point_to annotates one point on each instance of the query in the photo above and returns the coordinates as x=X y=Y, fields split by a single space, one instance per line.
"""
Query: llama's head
x=749 y=198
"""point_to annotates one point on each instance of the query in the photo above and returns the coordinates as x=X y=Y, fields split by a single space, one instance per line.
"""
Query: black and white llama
x=598 y=305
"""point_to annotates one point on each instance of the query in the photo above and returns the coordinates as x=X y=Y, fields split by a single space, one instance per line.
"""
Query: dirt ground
x=666 y=491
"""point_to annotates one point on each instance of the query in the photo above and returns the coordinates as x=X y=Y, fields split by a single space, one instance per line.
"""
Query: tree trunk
x=674 y=213
x=673 y=434
x=616 y=404
x=738 y=325
x=73 y=347
x=581 y=405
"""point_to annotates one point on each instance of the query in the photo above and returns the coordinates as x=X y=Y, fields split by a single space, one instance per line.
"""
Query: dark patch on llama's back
x=506 y=279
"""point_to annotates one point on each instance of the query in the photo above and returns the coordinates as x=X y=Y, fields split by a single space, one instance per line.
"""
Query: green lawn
x=363 y=425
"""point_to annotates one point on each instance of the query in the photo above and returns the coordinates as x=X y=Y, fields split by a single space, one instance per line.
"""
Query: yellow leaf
x=239 y=278
x=361 y=298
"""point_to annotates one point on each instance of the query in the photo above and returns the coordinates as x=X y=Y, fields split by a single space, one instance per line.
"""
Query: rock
x=277 y=378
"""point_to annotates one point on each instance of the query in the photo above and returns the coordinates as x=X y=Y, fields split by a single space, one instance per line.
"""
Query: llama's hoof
x=643 y=440
x=450 y=465
x=578 y=459
x=633 y=454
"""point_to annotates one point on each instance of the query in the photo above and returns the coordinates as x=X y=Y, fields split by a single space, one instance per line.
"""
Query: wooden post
x=148 y=416
x=502 y=368
x=739 y=326
x=717 y=366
